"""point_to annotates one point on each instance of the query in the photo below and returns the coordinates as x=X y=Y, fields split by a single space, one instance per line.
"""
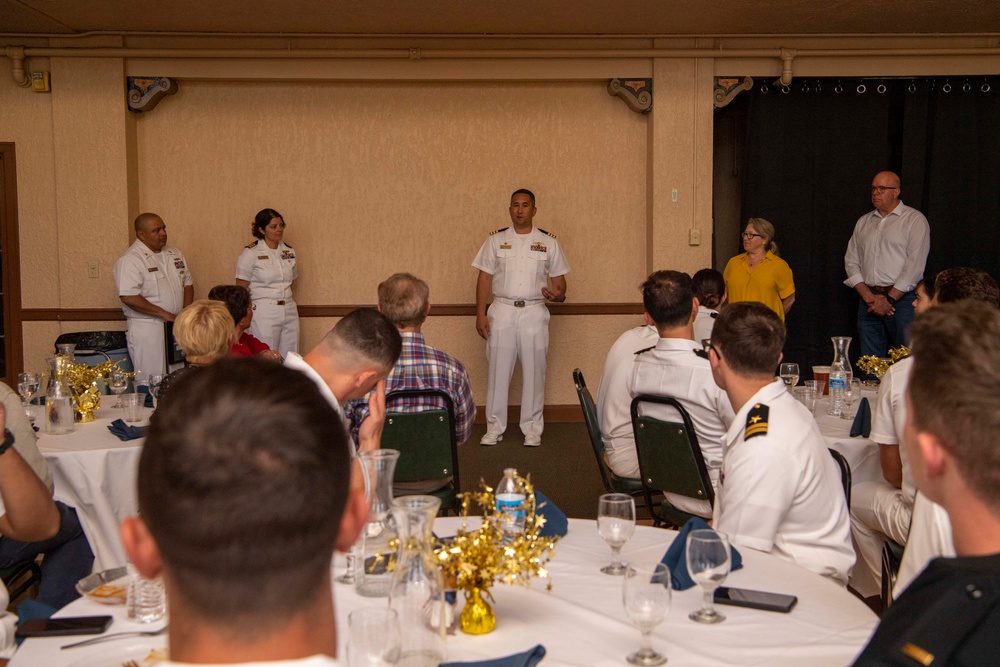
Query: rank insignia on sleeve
x=701 y=353
x=756 y=421
x=505 y=246
x=497 y=231
x=251 y=244
x=545 y=232
x=645 y=349
x=538 y=247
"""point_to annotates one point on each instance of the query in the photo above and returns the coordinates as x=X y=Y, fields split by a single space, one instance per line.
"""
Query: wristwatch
x=8 y=441
x=892 y=302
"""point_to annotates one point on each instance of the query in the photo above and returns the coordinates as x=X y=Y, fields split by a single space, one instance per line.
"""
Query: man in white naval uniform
x=779 y=490
x=613 y=402
x=154 y=283
x=677 y=367
x=521 y=266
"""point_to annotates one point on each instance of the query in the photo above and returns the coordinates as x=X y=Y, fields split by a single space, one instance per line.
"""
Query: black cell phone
x=60 y=627
x=742 y=597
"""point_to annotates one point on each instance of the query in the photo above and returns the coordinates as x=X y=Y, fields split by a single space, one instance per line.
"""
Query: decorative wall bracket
x=637 y=93
x=145 y=92
x=727 y=88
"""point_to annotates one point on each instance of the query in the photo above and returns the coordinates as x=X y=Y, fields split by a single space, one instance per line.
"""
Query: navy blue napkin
x=529 y=658
x=676 y=556
x=862 y=425
x=125 y=432
x=556 y=524
x=144 y=389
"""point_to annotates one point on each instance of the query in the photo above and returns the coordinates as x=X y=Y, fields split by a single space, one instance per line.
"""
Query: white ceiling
x=504 y=17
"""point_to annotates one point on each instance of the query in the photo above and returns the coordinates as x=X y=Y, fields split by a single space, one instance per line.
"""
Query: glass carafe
x=377 y=555
x=59 y=410
x=417 y=592
x=839 y=370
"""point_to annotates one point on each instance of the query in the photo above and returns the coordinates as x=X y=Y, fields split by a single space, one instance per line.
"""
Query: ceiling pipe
x=16 y=55
x=787 y=56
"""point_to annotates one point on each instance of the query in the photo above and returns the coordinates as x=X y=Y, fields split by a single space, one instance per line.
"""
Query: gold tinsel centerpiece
x=83 y=384
x=877 y=366
x=473 y=560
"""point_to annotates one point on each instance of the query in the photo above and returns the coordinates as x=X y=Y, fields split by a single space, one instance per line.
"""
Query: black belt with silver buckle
x=281 y=302
x=880 y=289
x=519 y=303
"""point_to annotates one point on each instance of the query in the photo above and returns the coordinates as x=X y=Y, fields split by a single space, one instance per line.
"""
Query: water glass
x=615 y=523
x=646 y=596
x=373 y=638
x=789 y=374
x=708 y=560
x=852 y=392
x=27 y=387
x=118 y=383
x=132 y=405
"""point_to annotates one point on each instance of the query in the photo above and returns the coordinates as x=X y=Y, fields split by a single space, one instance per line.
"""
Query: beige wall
x=378 y=166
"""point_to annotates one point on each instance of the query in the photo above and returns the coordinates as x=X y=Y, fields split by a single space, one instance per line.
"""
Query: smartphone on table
x=742 y=597
x=61 y=627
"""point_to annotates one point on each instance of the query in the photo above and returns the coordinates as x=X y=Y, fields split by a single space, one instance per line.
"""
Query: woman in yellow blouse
x=759 y=274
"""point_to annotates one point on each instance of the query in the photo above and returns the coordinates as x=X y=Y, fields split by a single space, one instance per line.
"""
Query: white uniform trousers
x=877 y=511
x=146 y=348
x=276 y=325
x=517 y=334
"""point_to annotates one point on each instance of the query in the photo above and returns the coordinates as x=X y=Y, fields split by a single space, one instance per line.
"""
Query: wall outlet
x=694 y=237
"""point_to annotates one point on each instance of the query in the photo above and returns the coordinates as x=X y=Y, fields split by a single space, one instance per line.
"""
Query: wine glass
x=708 y=562
x=851 y=393
x=27 y=386
x=615 y=523
x=789 y=375
x=373 y=638
x=154 y=382
x=118 y=383
x=646 y=595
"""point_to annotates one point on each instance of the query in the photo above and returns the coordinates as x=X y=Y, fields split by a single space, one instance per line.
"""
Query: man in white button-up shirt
x=885 y=259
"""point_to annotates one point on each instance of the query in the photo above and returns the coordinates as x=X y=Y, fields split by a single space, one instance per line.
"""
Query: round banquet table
x=581 y=621
x=861 y=453
x=95 y=472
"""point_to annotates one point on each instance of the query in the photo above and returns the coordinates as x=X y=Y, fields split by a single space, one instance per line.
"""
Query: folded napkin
x=676 y=556
x=144 y=389
x=125 y=432
x=556 y=524
x=862 y=425
x=529 y=658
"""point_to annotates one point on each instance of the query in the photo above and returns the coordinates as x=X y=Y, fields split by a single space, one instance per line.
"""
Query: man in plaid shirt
x=404 y=299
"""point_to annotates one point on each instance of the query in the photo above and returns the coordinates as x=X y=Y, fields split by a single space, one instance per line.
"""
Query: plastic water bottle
x=838 y=382
x=510 y=503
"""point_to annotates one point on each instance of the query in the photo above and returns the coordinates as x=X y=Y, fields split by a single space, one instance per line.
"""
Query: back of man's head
x=667 y=297
x=709 y=286
x=954 y=389
x=749 y=335
x=403 y=298
x=961 y=284
x=243 y=481
x=363 y=338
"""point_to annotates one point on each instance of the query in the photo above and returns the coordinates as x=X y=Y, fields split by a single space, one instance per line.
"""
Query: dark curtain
x=812 y=150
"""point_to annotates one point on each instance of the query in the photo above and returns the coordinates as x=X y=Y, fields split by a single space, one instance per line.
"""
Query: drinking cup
x=822 y=374
x=132 y=405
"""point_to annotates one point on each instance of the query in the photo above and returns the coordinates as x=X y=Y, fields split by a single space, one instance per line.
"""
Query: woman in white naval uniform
x=267 y=268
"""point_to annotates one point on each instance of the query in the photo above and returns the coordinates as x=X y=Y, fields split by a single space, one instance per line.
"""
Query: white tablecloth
x=582 y=622
x=861 y=453
x=95 y=472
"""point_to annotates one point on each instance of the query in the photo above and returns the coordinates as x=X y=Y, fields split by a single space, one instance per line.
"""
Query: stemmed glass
x=154 y=383
x=708 y=561
x=646 y=595
x=852 y=391
x=789 y=375
x=615 y=523
x=27 y=386
x=373 y=637
x=118 y=383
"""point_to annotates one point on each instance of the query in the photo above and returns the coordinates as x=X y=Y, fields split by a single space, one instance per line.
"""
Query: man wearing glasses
x=885 y=259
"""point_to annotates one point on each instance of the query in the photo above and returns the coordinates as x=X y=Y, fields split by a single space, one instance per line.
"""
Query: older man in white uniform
x=154 y=283
x=779 y=490
x=516 y=265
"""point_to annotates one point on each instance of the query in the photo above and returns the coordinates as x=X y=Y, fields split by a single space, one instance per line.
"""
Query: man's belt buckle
x=519 y=303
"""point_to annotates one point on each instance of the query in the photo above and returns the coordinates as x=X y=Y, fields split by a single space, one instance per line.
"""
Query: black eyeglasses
x=882 y=188
x=748 y=235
